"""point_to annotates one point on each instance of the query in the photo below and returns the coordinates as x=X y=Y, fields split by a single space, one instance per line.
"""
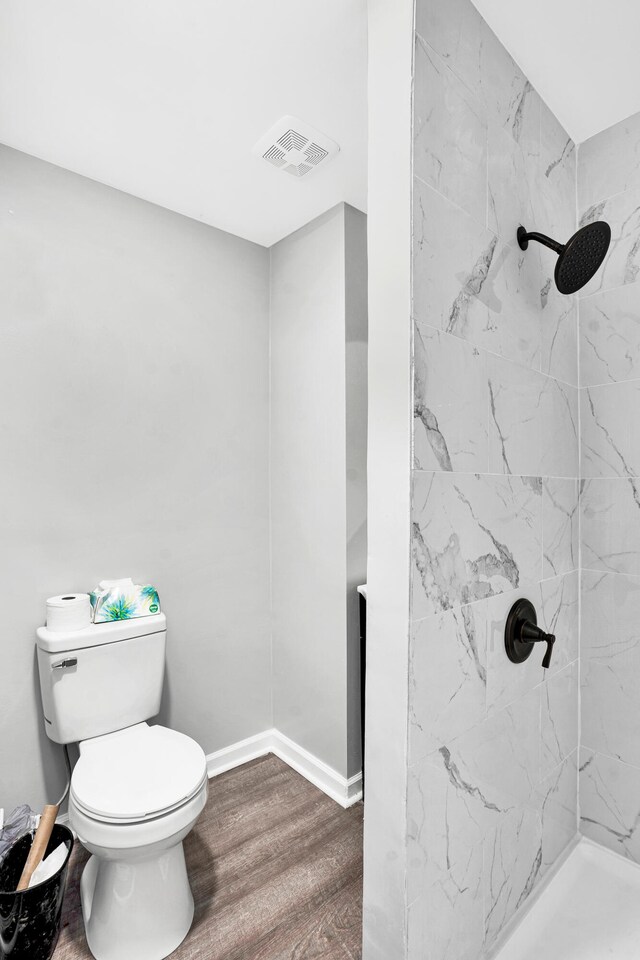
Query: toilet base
x=136 y=909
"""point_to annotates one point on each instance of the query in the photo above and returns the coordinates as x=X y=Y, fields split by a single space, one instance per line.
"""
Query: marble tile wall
x=609 y=325
x=493 y=747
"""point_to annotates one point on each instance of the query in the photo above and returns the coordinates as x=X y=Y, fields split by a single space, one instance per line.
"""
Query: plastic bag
x=20 y=821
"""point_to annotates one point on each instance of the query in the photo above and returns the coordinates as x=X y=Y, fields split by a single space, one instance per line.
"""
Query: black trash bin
x=30 y=920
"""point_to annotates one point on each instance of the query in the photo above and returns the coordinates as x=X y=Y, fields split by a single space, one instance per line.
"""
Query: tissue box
x=123 y=600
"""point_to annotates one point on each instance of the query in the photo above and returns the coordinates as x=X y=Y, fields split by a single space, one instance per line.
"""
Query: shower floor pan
x=589 y=911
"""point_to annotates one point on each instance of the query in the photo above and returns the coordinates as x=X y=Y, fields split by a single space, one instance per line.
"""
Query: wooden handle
x=39 y=845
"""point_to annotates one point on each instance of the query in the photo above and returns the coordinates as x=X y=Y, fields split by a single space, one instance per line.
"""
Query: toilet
x=136 y=790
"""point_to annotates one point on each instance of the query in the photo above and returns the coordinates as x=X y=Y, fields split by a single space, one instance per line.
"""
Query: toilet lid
x=137 y=773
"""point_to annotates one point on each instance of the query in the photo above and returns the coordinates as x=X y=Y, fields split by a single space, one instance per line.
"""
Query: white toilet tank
x=101 y=678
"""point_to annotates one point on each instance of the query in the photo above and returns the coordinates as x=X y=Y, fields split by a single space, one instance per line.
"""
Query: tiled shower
x=609 y=792
x=526 y=453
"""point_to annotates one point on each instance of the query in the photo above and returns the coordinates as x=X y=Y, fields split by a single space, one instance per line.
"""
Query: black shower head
x=579 y=258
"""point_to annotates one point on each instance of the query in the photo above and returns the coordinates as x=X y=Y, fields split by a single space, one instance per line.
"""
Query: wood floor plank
x=264 y=843
x=295 y=886
x=276 y=872
x=329 y=931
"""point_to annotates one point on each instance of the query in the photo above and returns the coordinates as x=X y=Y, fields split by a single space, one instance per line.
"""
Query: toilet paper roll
x=69 y=611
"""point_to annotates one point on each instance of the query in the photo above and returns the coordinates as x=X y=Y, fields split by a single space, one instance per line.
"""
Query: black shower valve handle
x=546 y=662
x=531 y=633
x=522 y=631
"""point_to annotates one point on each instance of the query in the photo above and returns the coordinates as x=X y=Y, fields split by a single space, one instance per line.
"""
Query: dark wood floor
x=275 y=868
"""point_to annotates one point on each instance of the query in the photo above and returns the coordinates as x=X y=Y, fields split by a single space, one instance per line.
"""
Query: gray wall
x=609 y=189
x=318 y=481
x=355 y=413
x=134 y=430
x=492 y=796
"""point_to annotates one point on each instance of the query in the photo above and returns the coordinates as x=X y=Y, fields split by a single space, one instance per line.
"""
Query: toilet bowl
x=135 y=795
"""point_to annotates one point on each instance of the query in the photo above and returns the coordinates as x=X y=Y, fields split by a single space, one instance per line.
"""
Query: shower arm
x=524 y=237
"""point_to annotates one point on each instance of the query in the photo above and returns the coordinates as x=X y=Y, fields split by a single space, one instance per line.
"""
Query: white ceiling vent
x=295 y=147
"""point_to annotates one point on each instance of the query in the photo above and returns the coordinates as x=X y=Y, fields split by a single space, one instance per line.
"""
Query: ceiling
x=164 y=99
x=580 y=55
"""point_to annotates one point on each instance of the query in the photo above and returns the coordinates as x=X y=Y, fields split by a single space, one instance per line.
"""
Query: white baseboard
x=238 y=753
x=344 y=791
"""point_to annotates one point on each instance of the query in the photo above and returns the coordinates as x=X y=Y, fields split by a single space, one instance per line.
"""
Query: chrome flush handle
x=62 y=664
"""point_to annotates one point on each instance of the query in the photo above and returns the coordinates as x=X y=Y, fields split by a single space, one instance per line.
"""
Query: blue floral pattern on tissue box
x=118 y=604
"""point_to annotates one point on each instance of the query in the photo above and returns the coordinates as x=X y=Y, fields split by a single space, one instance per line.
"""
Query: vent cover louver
x=295 y=147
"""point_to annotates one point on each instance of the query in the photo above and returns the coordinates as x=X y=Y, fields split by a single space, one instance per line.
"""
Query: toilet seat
x=137 y=774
